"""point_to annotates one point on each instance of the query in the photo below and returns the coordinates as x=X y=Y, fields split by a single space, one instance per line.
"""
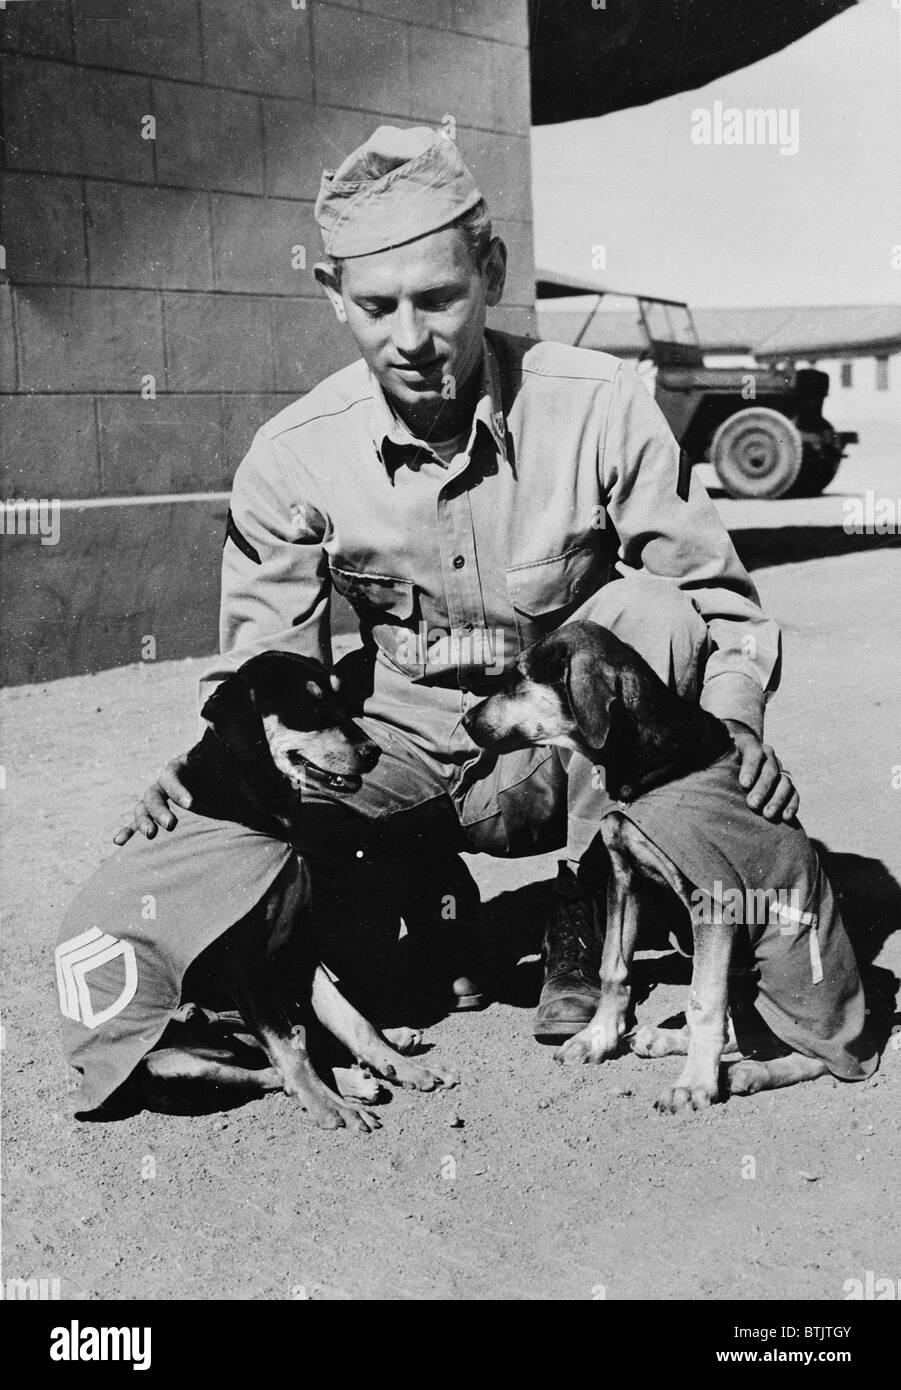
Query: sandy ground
x=529 y=1181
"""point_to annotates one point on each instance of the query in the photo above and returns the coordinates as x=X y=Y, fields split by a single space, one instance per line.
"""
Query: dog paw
x=403 y=1039
x=419 y=1076
x=575 y=1050
x=679 y=1098
x=746 y=1078
x=357 y=1083
x=659 y=1042
x=328 y=1110
x=354 y=1115
x=341 y=1113
x=584 y=1047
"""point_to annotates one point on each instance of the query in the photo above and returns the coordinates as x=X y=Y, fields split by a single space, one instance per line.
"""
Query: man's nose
x=410 y=333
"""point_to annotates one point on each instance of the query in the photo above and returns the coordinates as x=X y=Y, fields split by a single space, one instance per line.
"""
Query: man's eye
x=373 y=311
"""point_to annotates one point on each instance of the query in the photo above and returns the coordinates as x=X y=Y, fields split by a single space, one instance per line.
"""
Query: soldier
x=467 y=491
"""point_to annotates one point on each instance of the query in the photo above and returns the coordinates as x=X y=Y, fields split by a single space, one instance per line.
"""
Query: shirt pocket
x=544 y=592
x=386 y=606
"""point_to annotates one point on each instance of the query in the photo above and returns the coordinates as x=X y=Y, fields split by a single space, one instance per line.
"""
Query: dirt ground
x=529 y=1181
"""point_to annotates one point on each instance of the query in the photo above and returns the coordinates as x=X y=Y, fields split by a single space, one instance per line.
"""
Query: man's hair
x=475 y=226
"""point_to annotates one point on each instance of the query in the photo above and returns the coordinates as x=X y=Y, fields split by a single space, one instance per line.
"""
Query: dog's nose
x=368 y=753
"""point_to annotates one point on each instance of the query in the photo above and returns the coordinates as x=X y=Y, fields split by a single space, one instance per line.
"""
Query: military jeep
x=761 y=427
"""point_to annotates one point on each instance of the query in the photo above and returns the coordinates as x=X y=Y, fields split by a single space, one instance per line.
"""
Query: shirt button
x=459 y=562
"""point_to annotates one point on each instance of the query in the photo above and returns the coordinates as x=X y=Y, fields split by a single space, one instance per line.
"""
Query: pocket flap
x=375 y=591
x=543 y=586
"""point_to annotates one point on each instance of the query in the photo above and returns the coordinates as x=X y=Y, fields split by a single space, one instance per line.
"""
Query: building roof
x=841 y=330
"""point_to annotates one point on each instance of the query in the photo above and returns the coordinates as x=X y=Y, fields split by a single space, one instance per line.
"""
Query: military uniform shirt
x=570 y=478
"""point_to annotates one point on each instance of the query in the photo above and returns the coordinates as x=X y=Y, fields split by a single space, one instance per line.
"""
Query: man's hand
x=769 y=787
x=153 y=808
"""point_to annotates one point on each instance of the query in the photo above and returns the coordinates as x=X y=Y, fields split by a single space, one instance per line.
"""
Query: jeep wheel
x=820 y=461
x=757 y=453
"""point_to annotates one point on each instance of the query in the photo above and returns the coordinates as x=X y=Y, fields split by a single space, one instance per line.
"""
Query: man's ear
x=325 y=274
x=592 y=697
x=494 y=270
x=238 y=724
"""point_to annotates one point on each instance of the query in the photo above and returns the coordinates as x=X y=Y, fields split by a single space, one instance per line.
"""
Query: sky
x=741 y=224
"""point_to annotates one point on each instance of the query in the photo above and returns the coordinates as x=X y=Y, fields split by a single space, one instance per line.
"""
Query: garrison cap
x=398 y=185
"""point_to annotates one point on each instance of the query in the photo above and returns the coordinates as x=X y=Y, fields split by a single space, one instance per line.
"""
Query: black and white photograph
x=450 y=726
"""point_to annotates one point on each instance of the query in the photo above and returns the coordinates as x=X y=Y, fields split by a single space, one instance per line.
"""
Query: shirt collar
x=392 y=444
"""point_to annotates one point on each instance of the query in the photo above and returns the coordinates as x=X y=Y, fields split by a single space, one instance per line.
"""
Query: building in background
x=161 y=164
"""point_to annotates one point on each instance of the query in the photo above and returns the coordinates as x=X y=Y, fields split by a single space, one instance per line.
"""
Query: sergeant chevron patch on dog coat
x=80 y=955
x=135 y=928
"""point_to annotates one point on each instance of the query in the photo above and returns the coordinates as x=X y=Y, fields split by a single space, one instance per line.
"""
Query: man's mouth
x=420 y=369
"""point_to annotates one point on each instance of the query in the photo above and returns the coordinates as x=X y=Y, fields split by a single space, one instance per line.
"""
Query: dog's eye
x=295 y=757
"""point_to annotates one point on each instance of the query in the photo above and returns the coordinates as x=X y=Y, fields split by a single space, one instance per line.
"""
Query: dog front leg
x=350 y=1027
x=601 y=1037
x=257 y=990
x=288 y=1051
x=707 y=1020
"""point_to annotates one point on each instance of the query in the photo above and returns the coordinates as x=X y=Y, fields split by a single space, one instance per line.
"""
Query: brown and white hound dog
x=673 y=812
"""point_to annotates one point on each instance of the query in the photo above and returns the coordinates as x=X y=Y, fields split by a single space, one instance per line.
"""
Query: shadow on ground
x=761 y=547
x=512 y=925
x=869 y=897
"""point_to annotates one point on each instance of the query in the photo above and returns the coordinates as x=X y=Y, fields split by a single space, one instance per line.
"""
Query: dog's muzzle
x=486 y=729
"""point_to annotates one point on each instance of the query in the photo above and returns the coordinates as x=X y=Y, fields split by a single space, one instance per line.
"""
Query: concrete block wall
x=129 y=258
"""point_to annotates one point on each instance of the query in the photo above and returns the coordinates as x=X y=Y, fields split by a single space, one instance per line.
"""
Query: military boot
x=571 y=955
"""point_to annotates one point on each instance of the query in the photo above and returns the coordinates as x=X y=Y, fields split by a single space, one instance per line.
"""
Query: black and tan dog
x=754 y=889
x=215 y=912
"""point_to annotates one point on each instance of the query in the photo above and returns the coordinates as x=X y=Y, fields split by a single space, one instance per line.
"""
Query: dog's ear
x=591 y=688
x=232 y=711
x=285 y=683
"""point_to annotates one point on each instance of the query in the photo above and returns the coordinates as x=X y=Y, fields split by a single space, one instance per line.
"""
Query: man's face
x=417 y=313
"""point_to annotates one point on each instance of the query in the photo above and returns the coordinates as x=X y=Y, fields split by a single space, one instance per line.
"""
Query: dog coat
x=808 y=986
x=137 y=925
